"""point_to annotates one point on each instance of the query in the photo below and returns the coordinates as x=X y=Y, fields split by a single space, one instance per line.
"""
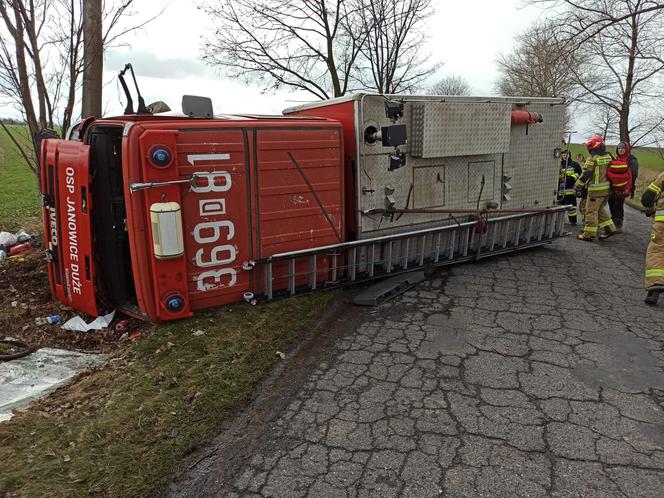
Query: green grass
x=650 y=158
x=19 y=200
x=121 y=430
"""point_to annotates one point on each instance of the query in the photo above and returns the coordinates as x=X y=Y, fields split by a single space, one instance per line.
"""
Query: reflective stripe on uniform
x=590 y=229
x=604 y=160
x=654 y=188
x=659 y=215
x=606 y=223
x=620 y=184
x=618 y=166
x=599 y=186
x=570 y=192
x=655 y=272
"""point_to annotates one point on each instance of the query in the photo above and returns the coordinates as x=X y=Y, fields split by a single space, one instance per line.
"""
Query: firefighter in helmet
x=654 y=203
x=597 y=219
x=570 y=171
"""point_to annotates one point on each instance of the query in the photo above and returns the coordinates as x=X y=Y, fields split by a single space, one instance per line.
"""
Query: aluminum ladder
x=306 y=270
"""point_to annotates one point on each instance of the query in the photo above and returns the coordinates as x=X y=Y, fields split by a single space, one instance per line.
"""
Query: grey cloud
x=148 y=64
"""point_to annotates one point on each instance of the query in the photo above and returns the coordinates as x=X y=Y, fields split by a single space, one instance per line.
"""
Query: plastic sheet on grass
x=28 y=378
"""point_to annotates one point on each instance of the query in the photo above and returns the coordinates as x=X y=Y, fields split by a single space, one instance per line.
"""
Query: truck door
x=216 y=211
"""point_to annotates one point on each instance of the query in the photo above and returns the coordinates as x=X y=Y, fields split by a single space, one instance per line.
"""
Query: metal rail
x=361 y=260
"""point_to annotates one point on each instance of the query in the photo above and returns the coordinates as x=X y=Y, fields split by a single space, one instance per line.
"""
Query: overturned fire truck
x=161 y=215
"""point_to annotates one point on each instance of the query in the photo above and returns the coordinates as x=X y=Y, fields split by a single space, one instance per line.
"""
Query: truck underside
x=115 y=282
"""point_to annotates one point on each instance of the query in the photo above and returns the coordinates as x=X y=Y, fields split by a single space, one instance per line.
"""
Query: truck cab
x=161 y=215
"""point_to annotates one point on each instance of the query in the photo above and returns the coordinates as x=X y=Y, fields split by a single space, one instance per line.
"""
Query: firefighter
x=595 y=179
x=583 y=194
x=570 y=171
x=654 y=203
x=617 y=202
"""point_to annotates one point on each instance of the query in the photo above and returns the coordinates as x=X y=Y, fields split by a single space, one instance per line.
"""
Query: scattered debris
x=47 y=320
x=12 y=244
x=281 y=355
x=135 y=336
x=78 y=324
x=198 y=333
x=121 y=325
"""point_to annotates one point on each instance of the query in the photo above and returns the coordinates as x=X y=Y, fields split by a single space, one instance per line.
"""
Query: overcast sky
x=466 y=36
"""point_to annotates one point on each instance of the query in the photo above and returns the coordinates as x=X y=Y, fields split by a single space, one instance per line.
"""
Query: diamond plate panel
x=527 y=158
x=459 y=182
x=460 y=129
x=530 y=161
x=417 y=130
x=479 y=171
x=428 y=186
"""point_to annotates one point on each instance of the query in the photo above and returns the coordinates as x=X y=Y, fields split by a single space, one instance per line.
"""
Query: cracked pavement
x=535 y=374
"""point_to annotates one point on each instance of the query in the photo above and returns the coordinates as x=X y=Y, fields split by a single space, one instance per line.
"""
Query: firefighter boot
x=585 y=237
x=653 y=296
x=606 y=233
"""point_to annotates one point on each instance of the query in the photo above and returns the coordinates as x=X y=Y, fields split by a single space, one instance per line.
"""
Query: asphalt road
x=536 y=374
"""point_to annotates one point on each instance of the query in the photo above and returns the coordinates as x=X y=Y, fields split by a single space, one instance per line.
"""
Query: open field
x=650 y=158
x=19 y=200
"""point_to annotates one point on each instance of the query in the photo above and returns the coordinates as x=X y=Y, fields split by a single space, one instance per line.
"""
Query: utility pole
x=93 y=58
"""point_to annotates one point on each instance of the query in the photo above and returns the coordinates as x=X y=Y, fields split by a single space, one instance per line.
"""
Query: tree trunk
x=93 y=58
x=623 y=122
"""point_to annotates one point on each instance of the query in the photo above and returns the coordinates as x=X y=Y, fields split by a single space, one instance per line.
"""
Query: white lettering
x=69 y=180
x=215 y=227
x=214 y=259
x=212 y=207
x=212 y=232
x=211 y=182
x=54 y=226
x=216 y=275
x=74 y=271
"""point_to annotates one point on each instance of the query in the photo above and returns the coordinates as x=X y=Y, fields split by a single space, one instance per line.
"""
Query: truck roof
x=222 y=117
x=428 y=98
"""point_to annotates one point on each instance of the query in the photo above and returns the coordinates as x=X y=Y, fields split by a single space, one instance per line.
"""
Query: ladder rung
x=312 y=272
x=334 y=266
x=388 y=265
x=424 y=244
x=405 y=254
x=291 y=275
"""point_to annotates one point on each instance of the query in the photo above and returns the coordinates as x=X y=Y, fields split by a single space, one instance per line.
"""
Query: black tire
x=25 y=350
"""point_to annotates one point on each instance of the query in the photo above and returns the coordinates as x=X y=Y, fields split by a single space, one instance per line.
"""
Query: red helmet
x=594 y=142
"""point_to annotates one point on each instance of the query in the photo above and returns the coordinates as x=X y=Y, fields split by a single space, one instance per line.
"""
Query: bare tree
x=323 y=47
x=620 y=44
x=622 y=70
x=41 y=58
x=393 y=59
x=597 y=16
x=301 y=44
x=452 y=84
x=539 y=66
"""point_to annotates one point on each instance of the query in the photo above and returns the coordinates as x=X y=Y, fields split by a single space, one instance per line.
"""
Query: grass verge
x=120 y=430
x=19 y=200
x=650 y=158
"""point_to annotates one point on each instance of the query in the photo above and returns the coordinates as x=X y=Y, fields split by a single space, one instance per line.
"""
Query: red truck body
x=249 y=187
x=161 y=215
